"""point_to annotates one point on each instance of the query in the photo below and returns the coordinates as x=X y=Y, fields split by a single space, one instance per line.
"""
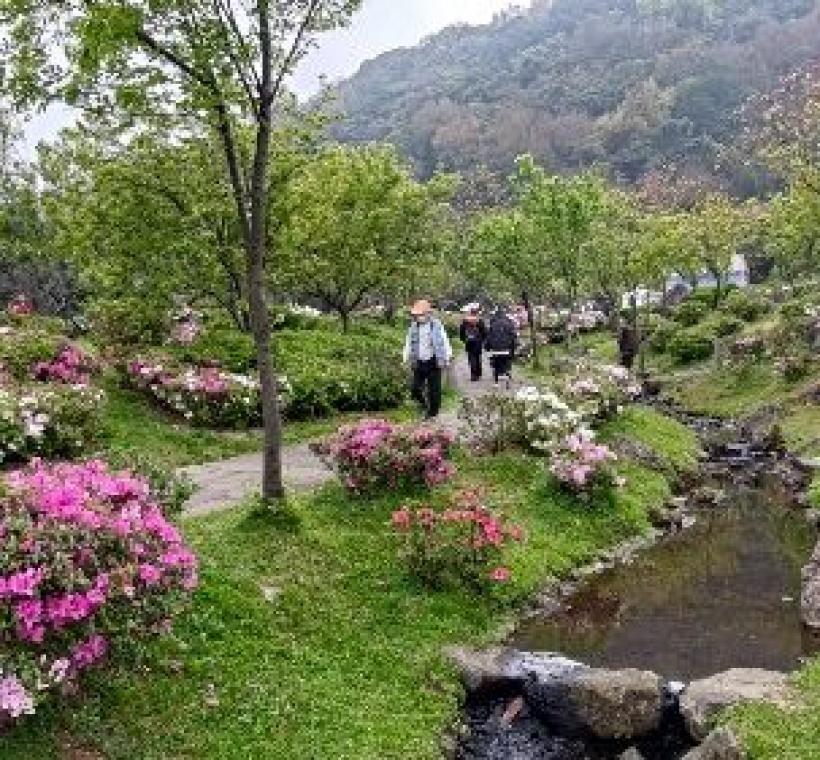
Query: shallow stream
x=724 y=593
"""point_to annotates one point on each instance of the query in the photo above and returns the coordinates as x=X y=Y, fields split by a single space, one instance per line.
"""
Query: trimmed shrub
x=725 y=325
x=660 y=336
x=88 y=565
x=746 y=305
x=230 y=349
x=129 y=321
x=692 y=344
x=373 y=456
x=52 y=421
x=22 y=349
x=690 y=312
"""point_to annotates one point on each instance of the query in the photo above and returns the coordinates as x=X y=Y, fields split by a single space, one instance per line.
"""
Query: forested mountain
x=634 y=85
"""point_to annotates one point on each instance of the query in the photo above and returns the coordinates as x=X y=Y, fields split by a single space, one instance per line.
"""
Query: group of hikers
x=428 y=351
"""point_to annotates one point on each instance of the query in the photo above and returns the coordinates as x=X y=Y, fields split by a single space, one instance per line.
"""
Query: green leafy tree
x=358 y=226
x=203 y=67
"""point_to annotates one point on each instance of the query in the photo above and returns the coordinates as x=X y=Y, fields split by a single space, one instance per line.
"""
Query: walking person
x=627 y=343
x=427 y=350
x=473 y=333
x=501 y=342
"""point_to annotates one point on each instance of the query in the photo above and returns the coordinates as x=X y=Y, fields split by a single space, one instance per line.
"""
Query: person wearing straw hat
x=427 y=350
x=473 y=333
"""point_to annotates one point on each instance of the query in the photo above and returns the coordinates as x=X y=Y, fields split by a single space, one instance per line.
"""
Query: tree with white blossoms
x=203 y=66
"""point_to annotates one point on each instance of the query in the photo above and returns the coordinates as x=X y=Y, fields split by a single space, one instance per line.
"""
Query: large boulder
x=810 y=594
x=721 y=744
x=609 y=704
x=702 y=700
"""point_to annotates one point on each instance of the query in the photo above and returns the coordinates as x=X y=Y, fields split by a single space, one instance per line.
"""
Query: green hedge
x=690 y=312
x=327 y=370
x=746 y=305
x=21 y=349
x=692 y=344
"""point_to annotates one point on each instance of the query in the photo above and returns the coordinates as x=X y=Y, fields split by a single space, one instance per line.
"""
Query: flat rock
x=631 y=754
x=702 y=700
x=721 y=744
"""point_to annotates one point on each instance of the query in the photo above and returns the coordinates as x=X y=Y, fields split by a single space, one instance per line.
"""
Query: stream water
x=724 y=593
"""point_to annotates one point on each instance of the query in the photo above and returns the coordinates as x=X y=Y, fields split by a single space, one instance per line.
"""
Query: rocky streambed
x=634 y=656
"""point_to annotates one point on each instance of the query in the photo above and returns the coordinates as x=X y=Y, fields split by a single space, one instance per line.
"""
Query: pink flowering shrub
x=88 y=565
x=462 y=545
x=376 y=455
x=582 y=465
x=20 y=306
x=204 y=396
x=71 y=366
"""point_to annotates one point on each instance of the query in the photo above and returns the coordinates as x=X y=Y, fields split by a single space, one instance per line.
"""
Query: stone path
x=220 y=485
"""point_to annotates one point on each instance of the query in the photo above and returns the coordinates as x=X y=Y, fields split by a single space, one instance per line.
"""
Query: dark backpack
x=502 y=335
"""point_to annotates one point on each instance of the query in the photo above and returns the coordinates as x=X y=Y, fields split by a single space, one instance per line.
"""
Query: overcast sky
x=381 y=25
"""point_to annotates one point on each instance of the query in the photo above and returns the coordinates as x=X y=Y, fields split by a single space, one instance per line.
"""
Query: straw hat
x=420 y=308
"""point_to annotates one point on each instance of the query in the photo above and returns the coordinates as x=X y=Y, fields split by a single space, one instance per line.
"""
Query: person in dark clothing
x=501 y=342
x=627 y=344
x=473 y=333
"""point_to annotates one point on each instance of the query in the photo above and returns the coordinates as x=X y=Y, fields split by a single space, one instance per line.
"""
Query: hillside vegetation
x=636 y=85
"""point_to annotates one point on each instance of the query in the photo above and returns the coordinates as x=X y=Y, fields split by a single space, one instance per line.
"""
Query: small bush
x=128 y=322
x=692 y=344
x=22 y=349
x=690 y=312
x=88 y=565
x=71 y=366
x=662 y=334
x=581 y=465
x=725 y=325
x=746 y=305
x=373 y=456
x=52 y=421
x=493 y=422
x=230 y=349
x=460 y=546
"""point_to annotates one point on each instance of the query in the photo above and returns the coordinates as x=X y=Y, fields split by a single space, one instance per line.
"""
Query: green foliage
x=21 y=349
x=692 y=344
x=690 y=312
x=232 y=349
x=724 y=325
x=127 y=321
x=331 y=372
x=746 y=305
x=662 y=334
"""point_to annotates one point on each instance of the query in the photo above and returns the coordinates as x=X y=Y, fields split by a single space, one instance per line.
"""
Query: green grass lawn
x=347 y=661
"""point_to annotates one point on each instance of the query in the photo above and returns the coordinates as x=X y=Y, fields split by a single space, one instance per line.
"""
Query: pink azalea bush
x=71 y=366
x=20 y=306
x=204 y=396
x=461 y=545
x=54 y=421
x=581 y=464
x=376 y=455
x=88 y=565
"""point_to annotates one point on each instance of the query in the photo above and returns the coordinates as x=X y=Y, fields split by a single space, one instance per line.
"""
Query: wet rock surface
x=606 y=704
x=702 y=700
x=721 y=744
x=810 y=594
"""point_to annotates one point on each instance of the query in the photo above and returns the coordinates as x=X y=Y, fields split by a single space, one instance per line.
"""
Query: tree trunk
x=344 y=314
x=531 y=324
x=272 y=485
x=718 y=291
